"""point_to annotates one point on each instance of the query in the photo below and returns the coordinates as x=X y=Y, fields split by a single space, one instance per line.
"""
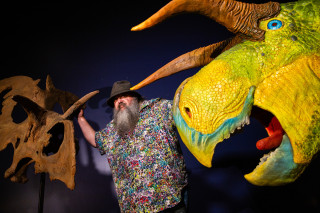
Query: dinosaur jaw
x=275 y=168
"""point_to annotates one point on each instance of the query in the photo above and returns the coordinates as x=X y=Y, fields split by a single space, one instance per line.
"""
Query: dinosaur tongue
x=275 y=132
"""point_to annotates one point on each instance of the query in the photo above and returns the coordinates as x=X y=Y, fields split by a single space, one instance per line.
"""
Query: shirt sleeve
x=99 y=138
x=166 y=106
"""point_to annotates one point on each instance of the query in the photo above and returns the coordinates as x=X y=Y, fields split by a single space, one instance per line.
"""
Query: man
x=143 y=152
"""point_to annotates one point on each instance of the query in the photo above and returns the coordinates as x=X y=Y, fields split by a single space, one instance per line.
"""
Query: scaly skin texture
x=284 y=69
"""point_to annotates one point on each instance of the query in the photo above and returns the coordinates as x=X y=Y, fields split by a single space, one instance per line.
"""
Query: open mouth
x=272 y=126
x=275 y=168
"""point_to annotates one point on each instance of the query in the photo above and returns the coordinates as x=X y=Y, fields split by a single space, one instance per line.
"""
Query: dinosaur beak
x=196 y=142
x=202 y=145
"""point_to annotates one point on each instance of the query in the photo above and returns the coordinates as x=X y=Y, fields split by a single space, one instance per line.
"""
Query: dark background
x=87 y=46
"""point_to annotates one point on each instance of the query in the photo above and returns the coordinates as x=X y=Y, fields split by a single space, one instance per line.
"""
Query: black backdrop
x=87 y=46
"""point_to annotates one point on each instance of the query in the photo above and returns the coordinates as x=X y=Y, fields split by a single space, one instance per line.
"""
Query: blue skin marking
x=274 y=24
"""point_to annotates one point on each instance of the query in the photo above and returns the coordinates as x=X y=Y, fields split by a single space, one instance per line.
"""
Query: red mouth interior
x=273 y=127
x=275 y=133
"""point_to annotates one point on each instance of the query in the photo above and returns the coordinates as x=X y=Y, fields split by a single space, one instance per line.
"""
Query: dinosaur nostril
x=188 y=112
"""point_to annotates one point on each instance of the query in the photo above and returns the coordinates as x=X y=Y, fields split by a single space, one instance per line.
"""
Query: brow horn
x=30 y=107
x=237 y=17
x=70 y=112
x=192 y=59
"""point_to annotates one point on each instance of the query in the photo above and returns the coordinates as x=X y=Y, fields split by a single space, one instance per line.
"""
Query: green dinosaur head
x=276 y=80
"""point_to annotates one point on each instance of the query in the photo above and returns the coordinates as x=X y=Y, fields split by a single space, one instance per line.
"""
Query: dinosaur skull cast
x=45 y=137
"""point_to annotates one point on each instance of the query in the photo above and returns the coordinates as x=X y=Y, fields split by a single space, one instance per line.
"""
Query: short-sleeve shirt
x=147 y=164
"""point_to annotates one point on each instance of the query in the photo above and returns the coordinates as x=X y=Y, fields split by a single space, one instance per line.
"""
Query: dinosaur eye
x=188 y=112
x=274 y=24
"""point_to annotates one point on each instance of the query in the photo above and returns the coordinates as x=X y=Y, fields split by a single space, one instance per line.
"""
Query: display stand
x=41 y=192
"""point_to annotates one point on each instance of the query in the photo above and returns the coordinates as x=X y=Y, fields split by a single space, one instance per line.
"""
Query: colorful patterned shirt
x=147 y=165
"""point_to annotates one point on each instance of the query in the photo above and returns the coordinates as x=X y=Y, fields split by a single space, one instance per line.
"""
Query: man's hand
x=81 y=114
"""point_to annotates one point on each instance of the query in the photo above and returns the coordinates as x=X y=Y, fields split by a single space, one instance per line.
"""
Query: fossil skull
x=45 y=138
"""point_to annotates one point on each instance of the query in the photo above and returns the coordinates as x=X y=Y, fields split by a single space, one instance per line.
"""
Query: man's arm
x=86 y=129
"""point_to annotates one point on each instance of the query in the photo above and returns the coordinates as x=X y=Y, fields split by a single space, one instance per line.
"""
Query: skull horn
x=37 y=111
x=192 y=59
x=69 y=113
x=30 y=107
x=237 y=17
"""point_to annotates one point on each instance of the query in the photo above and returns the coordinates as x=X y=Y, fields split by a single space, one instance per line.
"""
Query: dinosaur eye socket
x=274 y=24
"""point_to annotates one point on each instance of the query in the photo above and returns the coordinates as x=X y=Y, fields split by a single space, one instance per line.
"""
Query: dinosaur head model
x=270 y=70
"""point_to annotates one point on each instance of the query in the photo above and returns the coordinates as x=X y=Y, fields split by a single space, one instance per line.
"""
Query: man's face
x=123 y=100
x=125 y=113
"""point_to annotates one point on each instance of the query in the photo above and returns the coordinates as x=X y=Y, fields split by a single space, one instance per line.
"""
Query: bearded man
x=143 y=152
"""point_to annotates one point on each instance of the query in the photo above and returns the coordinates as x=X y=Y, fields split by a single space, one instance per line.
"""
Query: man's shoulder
x=164 y=103
x=158 y=106
x=156 y=102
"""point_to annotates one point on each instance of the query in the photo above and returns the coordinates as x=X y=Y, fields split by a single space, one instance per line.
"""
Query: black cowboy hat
x=121 y=87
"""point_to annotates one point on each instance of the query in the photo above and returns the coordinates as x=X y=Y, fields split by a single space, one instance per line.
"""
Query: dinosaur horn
x=70 y=112
x=195 y=58
x=30 y=107
x=237 y=17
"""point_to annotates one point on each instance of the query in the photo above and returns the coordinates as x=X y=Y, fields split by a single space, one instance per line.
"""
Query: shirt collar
x=146 y=103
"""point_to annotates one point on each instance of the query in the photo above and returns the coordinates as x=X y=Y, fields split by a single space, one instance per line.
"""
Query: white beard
x=125 y=120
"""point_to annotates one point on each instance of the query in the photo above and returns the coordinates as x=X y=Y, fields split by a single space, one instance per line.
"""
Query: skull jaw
x=60 y=165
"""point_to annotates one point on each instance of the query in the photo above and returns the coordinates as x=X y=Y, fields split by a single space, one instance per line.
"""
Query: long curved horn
x=237 y=17
x=192 y=59
x=78 y=104
x=31 y=108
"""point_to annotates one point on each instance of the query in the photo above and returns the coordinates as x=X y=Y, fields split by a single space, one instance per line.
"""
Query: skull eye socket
x=57 y=136
x=18 y=114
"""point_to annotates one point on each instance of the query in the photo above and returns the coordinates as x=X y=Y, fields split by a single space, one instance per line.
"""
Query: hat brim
x=110 y=100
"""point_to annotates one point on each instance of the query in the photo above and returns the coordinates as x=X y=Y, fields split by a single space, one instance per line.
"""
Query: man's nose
x=120 y=99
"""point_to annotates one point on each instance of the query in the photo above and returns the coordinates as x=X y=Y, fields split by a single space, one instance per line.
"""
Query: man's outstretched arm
x=86 y=129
